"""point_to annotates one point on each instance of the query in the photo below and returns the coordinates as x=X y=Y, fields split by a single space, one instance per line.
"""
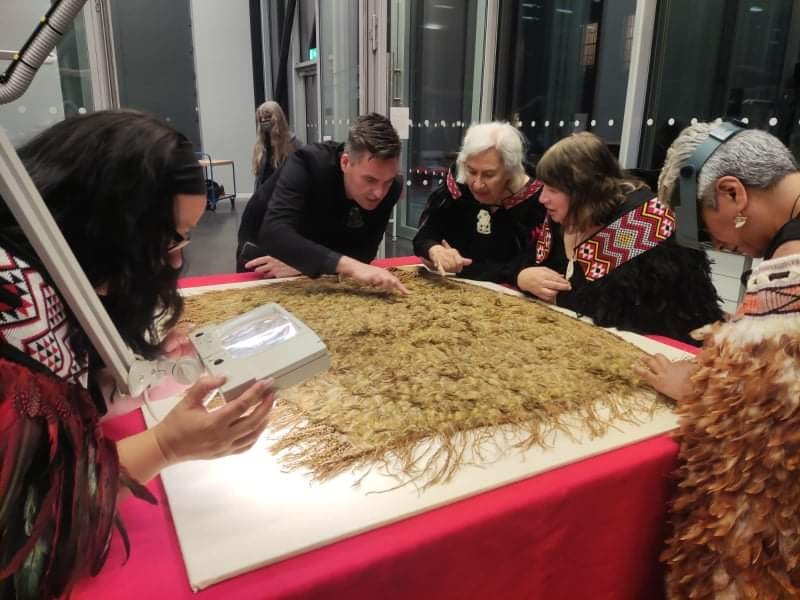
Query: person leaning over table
x=326 y=209
x=734 y=519
x=607 y=248
x=126 y=190
x=749 y=197
x=486 y=211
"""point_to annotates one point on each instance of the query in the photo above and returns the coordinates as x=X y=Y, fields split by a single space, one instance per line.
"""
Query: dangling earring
x=739 y=221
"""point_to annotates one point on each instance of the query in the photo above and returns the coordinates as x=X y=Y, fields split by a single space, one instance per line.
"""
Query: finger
x=558 y=286
x=466 y=261
x=440 y=268
x=401 y=288
x=265 y=271
x=551 y=273
x=254 y=420
x=244 y=448
x=392 y=284
x=661 y=362
x=446 y=245
x=250 y=437
x=251 y=397
x=255 y=262
x=546 y=294
x=196 y=395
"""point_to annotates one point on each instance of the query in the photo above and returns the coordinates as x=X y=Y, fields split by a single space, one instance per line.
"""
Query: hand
x=673 y=379
x=370 y=275
x=542 y=282
x=176 y=343
x=190 y=431
x=271 y=267
x=447 y=259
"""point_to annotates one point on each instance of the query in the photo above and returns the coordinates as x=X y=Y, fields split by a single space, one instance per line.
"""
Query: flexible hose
x=52 y=26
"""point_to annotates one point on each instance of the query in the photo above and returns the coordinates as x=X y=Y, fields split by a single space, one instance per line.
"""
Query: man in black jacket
x=326 y=209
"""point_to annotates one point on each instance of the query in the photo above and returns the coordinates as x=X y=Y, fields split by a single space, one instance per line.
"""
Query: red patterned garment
x=509 y=202
x=633 y=275
x=629 y=236
x=33 y=320
x=59 y=477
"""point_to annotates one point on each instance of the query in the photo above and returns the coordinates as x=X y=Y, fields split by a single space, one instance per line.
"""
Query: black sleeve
x=432 y=222
x=252 y=218
x=498 y=271
x=526 y=258
x=665 y=291
x=288 y=207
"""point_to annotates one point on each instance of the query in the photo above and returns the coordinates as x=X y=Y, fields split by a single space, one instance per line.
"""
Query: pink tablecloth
x=592 y=529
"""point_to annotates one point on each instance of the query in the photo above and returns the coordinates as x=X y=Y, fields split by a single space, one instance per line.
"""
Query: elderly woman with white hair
x=486 y=212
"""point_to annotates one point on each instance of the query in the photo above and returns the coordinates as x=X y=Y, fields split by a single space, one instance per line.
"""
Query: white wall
x=224 y=69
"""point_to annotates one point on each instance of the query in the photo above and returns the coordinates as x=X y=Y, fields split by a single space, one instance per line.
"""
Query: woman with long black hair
x=125 y=189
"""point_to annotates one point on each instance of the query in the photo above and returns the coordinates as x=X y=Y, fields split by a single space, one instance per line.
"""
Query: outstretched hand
x=190 y=431
x=447 y=259
x=671 y=378
x=271 y=267
x=542 y=282
x=370 y=275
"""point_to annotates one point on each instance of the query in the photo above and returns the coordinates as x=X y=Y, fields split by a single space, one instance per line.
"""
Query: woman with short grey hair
x=486 y=211
x=734 y=525
x=748 y=190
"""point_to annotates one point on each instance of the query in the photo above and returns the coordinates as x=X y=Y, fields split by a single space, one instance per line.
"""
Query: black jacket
x=667 y=290
x=456 y=220
x=302 y=216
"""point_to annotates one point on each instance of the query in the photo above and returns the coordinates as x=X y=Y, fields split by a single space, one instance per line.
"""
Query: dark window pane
x=563 y=67
x=720 y=58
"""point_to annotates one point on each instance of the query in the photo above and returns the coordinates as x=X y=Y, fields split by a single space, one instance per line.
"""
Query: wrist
x=162 y=446
x=434 y=249
x=347 y=266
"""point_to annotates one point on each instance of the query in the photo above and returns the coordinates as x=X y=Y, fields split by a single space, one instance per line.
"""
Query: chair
x=213 y=190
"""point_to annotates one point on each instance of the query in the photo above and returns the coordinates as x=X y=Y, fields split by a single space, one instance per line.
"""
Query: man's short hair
x=374 y=134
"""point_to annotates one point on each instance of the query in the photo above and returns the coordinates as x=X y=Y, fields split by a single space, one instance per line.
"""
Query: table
x=592 y=529
x=208 y=165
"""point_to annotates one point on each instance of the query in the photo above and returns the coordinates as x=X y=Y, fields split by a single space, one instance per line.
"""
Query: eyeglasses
x=179 y=242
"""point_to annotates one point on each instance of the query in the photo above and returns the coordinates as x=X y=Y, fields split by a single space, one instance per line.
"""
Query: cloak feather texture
x=735 y=519
x=59 y=476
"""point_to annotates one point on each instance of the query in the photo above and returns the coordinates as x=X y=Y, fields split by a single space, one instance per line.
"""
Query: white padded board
x=239 y=513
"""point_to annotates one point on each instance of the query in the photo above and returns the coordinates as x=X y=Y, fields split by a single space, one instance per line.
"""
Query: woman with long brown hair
x=608 y=249
x=274 y=141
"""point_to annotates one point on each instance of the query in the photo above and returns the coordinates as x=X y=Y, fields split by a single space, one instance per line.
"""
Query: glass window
x=306 y=68
x=562 y=66
x=720 y=58
x=433 y=73
x=308 y=30
x=62 y=85
x=338 y=67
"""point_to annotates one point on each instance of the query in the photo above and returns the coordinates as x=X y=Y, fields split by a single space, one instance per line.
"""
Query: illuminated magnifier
x=266 y=342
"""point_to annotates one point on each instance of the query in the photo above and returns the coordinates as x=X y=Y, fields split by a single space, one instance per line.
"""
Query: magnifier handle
x=187 y=369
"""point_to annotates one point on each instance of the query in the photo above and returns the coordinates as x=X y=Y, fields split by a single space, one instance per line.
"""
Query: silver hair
x=504 y=138
x=758 y=159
